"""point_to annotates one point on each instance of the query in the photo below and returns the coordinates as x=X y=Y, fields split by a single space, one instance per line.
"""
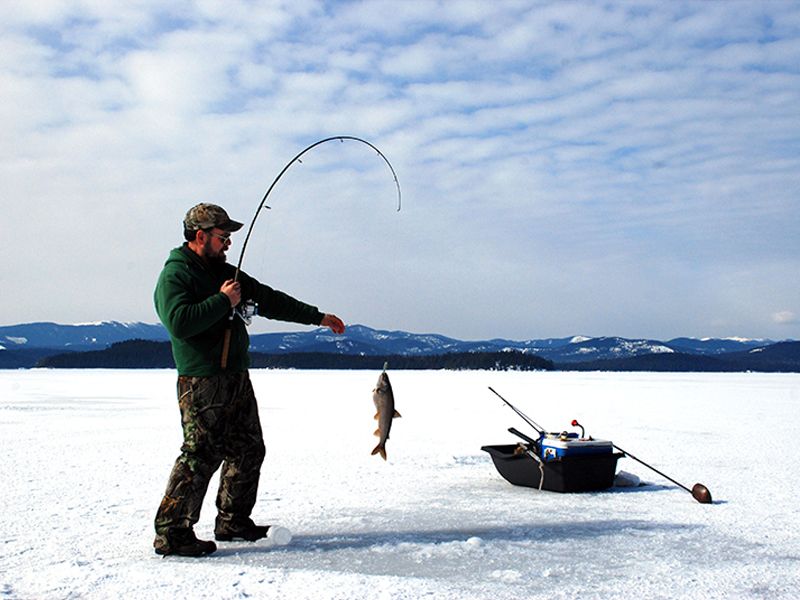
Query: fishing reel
x=247 y=310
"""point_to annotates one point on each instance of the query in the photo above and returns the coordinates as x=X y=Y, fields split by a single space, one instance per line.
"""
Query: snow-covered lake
x=87 y=455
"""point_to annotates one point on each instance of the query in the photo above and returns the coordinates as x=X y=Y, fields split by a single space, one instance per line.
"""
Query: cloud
x=632 y=150
x=785 y=317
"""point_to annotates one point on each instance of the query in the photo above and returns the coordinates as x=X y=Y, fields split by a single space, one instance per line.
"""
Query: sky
x=567 y=168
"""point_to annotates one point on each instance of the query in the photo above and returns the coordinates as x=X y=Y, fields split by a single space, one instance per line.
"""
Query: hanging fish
x=383 y=397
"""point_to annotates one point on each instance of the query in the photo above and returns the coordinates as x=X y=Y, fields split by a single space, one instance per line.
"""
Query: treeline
x=486 y=361
x=130 y=354
x=143 y=354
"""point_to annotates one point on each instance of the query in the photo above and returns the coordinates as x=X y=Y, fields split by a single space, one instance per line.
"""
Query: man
x=194 y=297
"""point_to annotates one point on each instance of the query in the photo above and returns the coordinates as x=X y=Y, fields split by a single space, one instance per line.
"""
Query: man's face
x=215 y=245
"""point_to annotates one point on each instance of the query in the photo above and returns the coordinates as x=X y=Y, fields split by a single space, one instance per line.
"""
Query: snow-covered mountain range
x=359 y=339
x=42 y=339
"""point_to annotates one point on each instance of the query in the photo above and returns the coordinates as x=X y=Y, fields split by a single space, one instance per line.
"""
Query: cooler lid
x=575 y=443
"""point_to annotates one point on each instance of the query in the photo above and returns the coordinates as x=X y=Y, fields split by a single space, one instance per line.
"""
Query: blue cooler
x=553 y=446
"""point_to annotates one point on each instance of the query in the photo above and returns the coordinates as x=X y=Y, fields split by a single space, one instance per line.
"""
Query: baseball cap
x=206 y=216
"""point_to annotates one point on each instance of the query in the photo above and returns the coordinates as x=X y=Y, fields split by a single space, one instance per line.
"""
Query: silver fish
x=383 y=398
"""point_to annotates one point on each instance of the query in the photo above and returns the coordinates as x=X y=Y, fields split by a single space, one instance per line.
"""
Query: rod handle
x=226 y=345
x=519 y=434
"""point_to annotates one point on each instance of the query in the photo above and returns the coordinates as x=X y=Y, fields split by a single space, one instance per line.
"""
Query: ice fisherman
x=194 y=297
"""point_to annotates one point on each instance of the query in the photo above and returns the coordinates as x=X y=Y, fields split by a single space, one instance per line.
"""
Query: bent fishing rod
x=263 y=204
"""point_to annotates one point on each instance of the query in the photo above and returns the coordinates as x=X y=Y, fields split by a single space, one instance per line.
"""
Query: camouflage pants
x=220 y=427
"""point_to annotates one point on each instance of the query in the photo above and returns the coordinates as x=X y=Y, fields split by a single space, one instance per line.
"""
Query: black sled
x=556 y=462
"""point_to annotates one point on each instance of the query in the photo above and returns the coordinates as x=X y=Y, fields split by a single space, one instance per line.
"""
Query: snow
x=661 y=350
x=87 y=455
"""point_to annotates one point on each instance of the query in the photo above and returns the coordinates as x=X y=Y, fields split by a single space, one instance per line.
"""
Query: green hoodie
x=196 y=313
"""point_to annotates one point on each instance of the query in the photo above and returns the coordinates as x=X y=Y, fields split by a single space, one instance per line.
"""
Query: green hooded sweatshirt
x=196 y=313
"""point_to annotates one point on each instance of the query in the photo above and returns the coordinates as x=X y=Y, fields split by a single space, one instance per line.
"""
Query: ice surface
x=87 y=455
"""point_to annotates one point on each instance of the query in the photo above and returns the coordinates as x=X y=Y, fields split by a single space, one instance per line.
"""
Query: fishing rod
x=699 y=492
x=263 y=204
x=539 y=429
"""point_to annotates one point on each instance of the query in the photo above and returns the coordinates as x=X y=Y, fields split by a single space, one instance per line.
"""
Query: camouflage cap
x=206 y=216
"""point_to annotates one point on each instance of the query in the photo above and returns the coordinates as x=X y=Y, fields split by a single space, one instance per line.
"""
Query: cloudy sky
x=594 y=168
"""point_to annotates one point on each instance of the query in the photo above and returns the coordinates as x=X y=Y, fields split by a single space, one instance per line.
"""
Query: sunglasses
x=223 y=238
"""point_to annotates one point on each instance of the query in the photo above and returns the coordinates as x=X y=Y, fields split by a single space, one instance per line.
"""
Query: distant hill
x=24 y=346
x=145 y=354
x=776 y=358
x=782 y=356
x=130 y=354
x=83 y=336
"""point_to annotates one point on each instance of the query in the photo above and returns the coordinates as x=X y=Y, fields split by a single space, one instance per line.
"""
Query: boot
x=182 y=542
x=241 y=529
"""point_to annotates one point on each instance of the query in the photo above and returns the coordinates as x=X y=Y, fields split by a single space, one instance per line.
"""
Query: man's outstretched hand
x=335 y=323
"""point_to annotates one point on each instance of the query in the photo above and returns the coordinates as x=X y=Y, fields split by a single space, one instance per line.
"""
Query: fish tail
x=380 y=449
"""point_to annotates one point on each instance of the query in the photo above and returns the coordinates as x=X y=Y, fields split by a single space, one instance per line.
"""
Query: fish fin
x=379 y=449
x=377 y=433
x=396 y=415
x=376 y=417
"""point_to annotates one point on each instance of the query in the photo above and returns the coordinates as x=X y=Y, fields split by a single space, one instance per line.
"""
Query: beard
x=213 y=256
